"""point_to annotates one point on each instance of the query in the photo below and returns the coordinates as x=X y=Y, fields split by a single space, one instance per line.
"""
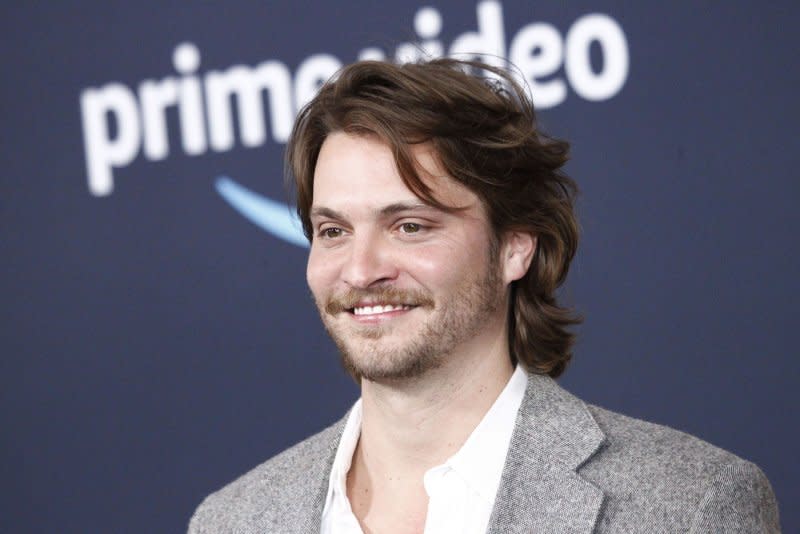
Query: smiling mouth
x=378 y=303
x=379 y=309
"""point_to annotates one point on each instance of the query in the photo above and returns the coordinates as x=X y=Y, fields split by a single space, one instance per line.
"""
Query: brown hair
x=483 y=130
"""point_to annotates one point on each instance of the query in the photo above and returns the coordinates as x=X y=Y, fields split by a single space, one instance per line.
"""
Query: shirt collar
x=344 y=454
x=479 y=461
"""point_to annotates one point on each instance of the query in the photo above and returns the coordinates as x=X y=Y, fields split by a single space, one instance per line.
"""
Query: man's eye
x=410 y=228
x=331 y=233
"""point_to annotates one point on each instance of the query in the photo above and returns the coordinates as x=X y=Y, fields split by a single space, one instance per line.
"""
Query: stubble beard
x=366 y=353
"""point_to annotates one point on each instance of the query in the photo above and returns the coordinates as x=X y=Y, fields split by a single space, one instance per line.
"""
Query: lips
x=374 y=302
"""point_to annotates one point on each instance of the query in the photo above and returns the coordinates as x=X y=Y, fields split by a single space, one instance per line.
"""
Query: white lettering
x=155 y=97
x=247 y=84
x=102 y=152
x=186 y=60
x=311 y=74
x=205 y=105
x=607 y=33
x=489 y=42
x=372 y=54
x=537 y=50
x=427 y=24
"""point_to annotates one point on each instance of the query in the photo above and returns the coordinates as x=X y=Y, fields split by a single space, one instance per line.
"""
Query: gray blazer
x=570 y=467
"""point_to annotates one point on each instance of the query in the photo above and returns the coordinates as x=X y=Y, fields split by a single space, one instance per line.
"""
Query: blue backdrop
x=156 y=332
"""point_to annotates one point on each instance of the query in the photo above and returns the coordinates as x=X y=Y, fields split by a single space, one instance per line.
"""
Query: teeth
x=374 y=310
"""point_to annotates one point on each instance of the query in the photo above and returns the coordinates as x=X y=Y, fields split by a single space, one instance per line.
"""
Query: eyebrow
x=400 y=207
x=391 y=209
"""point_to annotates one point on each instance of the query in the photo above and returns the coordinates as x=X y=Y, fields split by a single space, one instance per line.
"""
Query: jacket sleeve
x=738 y=500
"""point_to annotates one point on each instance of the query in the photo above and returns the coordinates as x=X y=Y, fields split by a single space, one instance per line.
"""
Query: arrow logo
x=275 y=217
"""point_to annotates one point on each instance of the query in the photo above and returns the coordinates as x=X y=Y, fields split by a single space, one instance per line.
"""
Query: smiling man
x=441 y=226
x=404 y=287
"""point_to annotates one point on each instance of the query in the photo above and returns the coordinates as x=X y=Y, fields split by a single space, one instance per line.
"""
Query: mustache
x=389 y=295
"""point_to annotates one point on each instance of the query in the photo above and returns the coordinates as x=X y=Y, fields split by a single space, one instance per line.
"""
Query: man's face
x=400 y=285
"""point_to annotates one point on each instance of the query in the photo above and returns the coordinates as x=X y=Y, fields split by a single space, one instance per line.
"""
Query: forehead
x=354 y=170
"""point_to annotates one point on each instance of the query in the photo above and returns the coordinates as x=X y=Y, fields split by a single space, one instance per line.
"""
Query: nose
x=369 y=262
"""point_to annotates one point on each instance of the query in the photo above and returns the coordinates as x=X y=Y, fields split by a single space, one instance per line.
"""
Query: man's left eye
x=410 y=228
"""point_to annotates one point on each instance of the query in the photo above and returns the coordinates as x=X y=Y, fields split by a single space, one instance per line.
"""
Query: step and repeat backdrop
x=157 y=338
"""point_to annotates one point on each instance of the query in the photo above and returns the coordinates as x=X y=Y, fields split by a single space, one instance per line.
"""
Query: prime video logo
x=205 y=103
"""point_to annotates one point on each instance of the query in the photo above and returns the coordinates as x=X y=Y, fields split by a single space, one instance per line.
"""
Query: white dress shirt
x=461 y=491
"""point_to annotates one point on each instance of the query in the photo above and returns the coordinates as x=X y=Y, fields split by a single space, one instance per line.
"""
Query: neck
x=412 y=425
x=409 y=426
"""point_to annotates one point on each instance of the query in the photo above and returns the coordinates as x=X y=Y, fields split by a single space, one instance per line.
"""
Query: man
x=440 y=227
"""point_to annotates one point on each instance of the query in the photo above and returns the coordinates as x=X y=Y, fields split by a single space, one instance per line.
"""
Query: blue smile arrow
x=275 y=217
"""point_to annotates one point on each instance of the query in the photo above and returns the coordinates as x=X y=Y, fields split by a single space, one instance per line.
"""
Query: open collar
x=481 y=458
x=540 y=490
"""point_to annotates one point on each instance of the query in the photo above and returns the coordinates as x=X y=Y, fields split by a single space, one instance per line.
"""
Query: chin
x=387 y=364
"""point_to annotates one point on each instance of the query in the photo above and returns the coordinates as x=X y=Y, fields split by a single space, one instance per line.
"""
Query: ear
x=516 y=255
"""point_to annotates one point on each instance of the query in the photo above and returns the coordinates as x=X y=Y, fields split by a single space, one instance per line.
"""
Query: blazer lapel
x=540 y=490
x=308 y=489
x=306 y=514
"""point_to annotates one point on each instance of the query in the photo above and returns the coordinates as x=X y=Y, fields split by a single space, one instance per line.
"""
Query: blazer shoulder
x=270 y=488
x=738 y=499
x=653 y=474
x=659 y=445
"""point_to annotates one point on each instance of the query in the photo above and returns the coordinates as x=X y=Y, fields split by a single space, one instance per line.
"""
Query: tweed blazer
x=570 y=468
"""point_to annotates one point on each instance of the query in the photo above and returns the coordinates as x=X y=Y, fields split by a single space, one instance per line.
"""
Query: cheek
x=437 y=267
x=462 y=263
x=320 y=274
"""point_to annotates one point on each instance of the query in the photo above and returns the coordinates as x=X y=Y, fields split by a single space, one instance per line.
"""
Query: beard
x=379 y=352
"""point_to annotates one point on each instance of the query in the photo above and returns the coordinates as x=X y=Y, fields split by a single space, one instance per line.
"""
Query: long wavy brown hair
x=483 y=129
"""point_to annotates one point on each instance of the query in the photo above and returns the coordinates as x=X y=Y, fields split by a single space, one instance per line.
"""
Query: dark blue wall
x=155 y=343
